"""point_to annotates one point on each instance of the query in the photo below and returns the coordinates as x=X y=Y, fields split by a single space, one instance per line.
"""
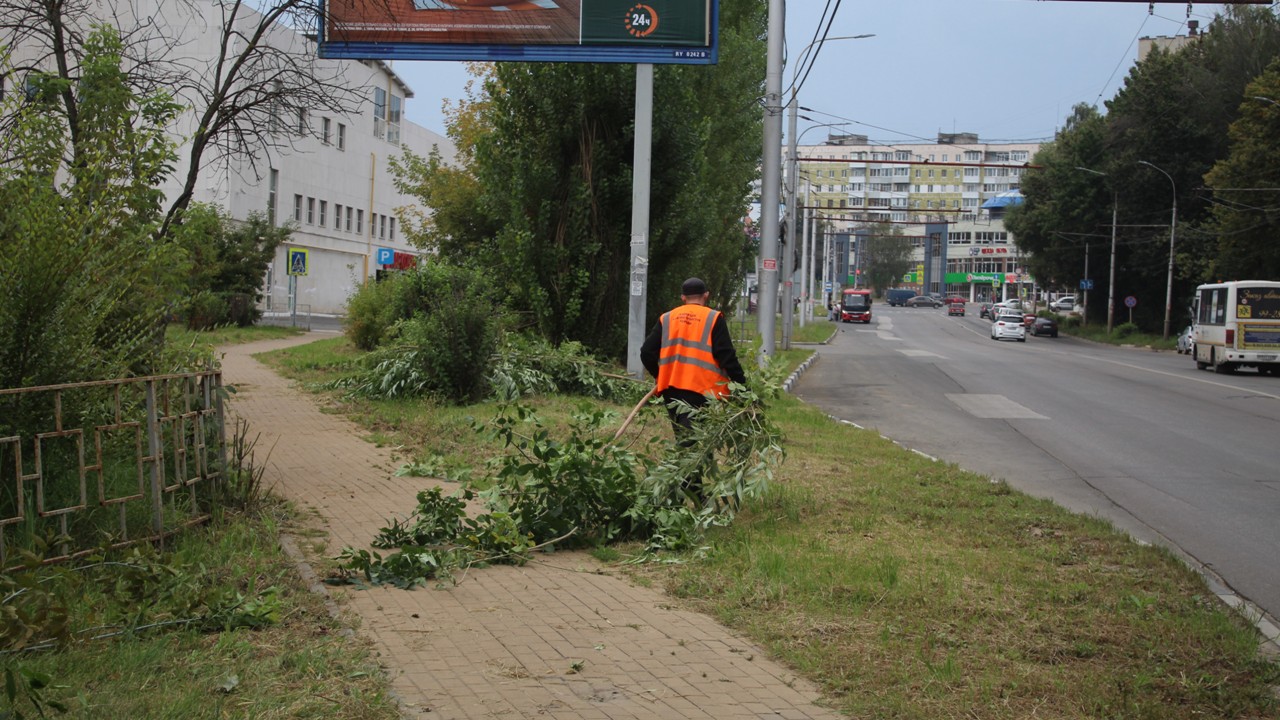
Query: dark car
x=923 y=301
x=984 y=310
x=955 y=307
x=1044 y=326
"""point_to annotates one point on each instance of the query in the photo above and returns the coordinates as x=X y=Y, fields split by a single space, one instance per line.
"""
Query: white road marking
x=1131 y=366
x=993 y=406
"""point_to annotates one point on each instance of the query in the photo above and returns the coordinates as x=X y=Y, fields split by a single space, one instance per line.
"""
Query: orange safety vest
x=686 y=361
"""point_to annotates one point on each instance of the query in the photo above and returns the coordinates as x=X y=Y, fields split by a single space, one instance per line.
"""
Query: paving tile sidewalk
x=506 y=641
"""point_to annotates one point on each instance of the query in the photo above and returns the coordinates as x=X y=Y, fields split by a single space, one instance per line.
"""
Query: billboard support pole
x=640 y=179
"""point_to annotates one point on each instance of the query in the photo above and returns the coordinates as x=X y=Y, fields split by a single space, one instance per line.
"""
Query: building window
x=349 y=211
x=342 y=136
x=382 y=226
x=393 y=119
x=273 y=185
x=278 y=123
x=387 y=109
x=297 y=208
x=325 y=130
x=379 y=113
x=393 y=228
x=337 y=216
x=311 y=211
x=303 y=126
x=324 y=216
x=360 y=221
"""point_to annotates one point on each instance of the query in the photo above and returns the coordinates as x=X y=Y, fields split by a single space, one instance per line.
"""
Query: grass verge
x=303 y=665
x=907 y=588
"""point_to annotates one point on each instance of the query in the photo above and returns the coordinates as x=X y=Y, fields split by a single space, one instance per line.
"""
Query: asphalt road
x=1166 y=452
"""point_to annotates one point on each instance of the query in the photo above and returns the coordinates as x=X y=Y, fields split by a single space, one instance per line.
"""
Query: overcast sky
x=1008 y=70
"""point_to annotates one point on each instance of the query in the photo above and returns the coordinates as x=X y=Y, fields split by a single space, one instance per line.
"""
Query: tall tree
x=552 y=168
x=886 y=257
x=243 y=98
x=82 y=285
x=1246 y=187
x=1066 y=207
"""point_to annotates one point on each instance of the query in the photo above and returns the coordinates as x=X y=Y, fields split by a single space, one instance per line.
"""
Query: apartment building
x=326 y=173
x=948 y=197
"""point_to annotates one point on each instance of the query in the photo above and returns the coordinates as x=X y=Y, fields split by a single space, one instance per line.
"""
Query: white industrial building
x=328 y=174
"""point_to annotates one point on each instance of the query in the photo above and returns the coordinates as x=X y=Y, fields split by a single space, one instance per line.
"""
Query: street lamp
x=794 y=88
x=1111 y=283
x=1264 y=99
x=1173 y=226
x=807 y=253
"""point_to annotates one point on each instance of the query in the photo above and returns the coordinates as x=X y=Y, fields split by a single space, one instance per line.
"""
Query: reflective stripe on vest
x=685 y=360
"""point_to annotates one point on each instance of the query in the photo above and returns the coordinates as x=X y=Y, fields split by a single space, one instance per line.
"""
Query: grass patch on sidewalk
x=907 y=588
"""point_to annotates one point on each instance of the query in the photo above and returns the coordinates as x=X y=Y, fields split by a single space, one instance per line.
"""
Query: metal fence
x=108 y=463
x=277 y=310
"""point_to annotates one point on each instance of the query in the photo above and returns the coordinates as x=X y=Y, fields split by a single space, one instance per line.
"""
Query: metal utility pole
x=806 y=261
x=1085 y=319
x=771 y=181
x=1111 y=283
x=1173 y=228
x=789 y=244
x=640 y=172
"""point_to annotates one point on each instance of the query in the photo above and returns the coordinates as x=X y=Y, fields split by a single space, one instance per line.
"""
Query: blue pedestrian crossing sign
x=298 y=261
x=386 y=256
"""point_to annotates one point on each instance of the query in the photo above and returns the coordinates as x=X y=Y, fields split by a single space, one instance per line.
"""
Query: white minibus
x=1238 y=325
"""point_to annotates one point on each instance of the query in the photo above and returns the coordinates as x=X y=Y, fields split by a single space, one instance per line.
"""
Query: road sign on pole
x=298 y=261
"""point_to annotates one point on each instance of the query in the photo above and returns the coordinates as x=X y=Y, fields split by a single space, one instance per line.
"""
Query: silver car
x=1187 y=342
x=1008 y=325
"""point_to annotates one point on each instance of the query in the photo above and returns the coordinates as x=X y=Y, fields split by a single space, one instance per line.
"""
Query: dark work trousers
x=682 y=425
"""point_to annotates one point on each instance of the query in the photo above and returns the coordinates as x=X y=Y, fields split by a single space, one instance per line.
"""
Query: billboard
x=621 y=31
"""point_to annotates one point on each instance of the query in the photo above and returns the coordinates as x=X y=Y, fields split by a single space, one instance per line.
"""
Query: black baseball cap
x=693 y=286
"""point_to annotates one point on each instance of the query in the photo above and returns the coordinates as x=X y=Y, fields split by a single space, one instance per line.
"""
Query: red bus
x=855 y=305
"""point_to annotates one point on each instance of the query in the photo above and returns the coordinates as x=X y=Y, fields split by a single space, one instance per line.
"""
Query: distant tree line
x=1208 y=115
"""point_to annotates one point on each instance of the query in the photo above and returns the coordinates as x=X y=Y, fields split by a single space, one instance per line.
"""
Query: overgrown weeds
x=581 y=490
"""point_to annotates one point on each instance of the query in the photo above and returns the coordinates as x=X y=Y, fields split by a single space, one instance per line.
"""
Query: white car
x=1009 y=325
x=1066 y=303
x=1006 y=307
x=1187 y=341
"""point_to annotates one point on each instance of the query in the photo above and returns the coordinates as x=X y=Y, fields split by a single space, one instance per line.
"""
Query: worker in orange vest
x=691 y=354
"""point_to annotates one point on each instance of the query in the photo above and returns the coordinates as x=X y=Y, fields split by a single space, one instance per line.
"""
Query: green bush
x=444 y=348
x=371 y=312
x=227 y=258
x=205 y=310
x=1124 y=330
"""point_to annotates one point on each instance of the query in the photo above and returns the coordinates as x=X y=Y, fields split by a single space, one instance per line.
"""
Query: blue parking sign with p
x=386 y=256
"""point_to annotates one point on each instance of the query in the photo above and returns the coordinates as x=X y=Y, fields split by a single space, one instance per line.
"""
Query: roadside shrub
x=205 y=310
x=1070 y=322
x=447 y=345
x=371 y=312
x=227 y=259
x=1124 y=330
